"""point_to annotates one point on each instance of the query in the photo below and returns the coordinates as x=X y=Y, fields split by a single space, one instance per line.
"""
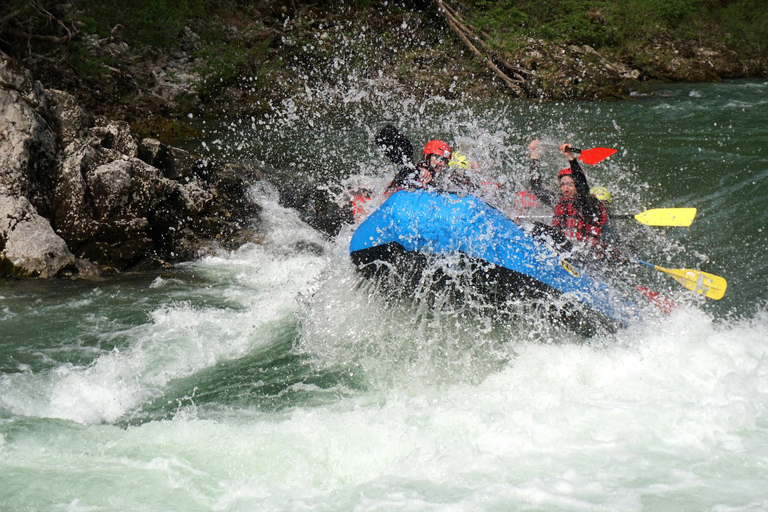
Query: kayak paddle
x=673 y=217
x=395 y=145
x=594 y=155
x=681 y=217
x=703 y=283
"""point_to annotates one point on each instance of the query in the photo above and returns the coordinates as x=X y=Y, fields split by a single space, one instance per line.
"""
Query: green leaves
x=628 y=23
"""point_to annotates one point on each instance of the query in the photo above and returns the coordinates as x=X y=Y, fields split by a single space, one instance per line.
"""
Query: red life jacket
x=576 y=225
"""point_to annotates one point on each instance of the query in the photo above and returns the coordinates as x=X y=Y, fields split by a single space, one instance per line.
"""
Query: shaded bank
x=78 y=190
x=152 y=65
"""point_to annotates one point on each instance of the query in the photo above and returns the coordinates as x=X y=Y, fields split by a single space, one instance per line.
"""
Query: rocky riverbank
x=89 y=183
x=258 y=57
x=84 y=195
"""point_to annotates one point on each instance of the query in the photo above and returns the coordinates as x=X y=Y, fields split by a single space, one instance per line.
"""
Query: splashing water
x=275 y=378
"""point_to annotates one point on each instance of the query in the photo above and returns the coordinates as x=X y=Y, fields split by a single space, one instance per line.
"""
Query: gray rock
x=115 y=135
x=73 y=120
x=111 y=185
x=27 y=149
x=115 y=202
x=30 y=247
x=15 y=77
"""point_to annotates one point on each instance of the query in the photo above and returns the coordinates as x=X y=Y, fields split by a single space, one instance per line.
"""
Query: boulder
x=78 y=193
x=115 y=135
x=30 y=247
x=27 y=148
x=73 y=120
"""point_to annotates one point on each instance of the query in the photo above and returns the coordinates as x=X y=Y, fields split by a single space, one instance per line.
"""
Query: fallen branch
x=8 y=17
x=470 y=32
x=456 y=26
x=37 y=37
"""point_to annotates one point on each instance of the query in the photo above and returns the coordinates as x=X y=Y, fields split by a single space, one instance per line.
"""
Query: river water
x=273 y=378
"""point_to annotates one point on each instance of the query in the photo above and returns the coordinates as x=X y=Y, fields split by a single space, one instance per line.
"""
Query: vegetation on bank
x=632 y=29
x=626 y=25
x=254 y=51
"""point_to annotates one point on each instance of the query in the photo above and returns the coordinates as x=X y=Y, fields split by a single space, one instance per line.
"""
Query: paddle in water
x=703 y=283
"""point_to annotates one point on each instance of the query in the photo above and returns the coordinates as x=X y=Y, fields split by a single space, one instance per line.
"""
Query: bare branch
x=498 y=59
x=8 y=17
x=462 y=31
x=37 y=37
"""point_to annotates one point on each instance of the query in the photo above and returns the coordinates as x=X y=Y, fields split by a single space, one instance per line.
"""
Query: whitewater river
x=272 y=378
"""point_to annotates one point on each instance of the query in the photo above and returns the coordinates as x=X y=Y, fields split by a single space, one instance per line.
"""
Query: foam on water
x=427 y=405
x=662 y=418
x=666 y=416
x=259 y=281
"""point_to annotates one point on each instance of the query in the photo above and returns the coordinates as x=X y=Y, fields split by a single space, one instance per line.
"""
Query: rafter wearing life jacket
x=580 y=216
x=436 y=155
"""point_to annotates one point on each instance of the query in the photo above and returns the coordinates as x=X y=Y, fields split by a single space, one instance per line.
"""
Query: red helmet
x=564 y=172
x=437 y=147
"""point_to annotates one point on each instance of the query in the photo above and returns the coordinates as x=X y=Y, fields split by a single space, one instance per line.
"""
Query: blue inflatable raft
x=507 y=262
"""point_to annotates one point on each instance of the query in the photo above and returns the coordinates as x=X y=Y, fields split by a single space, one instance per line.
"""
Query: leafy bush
x=222 y=65
x=566 y=21
x=150 y=22
x=746 y=22
x=628 y=24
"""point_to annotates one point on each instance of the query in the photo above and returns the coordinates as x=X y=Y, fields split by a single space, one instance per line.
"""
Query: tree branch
x=469 y=31
x=37 y=37
x=464 y=33
x=8 y=17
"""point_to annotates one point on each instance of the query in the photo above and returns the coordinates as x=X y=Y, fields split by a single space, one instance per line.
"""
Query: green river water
x=272 y=378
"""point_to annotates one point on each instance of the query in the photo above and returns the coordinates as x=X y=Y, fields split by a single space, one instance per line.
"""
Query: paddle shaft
x=655 y=217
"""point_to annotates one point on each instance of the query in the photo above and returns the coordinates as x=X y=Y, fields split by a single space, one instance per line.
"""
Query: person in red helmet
x=580 y=219
x=436 y=155
x=578 y=214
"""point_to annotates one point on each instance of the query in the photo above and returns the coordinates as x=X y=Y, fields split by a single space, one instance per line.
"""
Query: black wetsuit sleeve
x=535 y=185
x=404 y=177
x=585 y=203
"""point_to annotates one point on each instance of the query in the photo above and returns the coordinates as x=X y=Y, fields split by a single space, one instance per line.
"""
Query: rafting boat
x=506 y=260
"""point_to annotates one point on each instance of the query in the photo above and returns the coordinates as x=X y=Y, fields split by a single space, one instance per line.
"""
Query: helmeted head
x=459 y=160
x=438 y=148
x=602 y=193
x=566 y=183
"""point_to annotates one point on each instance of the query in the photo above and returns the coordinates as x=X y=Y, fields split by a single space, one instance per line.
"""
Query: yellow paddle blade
x=709 y=285
x=667 y=217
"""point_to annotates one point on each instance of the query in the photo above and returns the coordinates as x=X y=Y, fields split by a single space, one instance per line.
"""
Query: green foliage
x=567 y=21
x=746 y=22
x=672 y=12
x=222 y=65
x=149 y=22
x=87 y=66
x=622 y=23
